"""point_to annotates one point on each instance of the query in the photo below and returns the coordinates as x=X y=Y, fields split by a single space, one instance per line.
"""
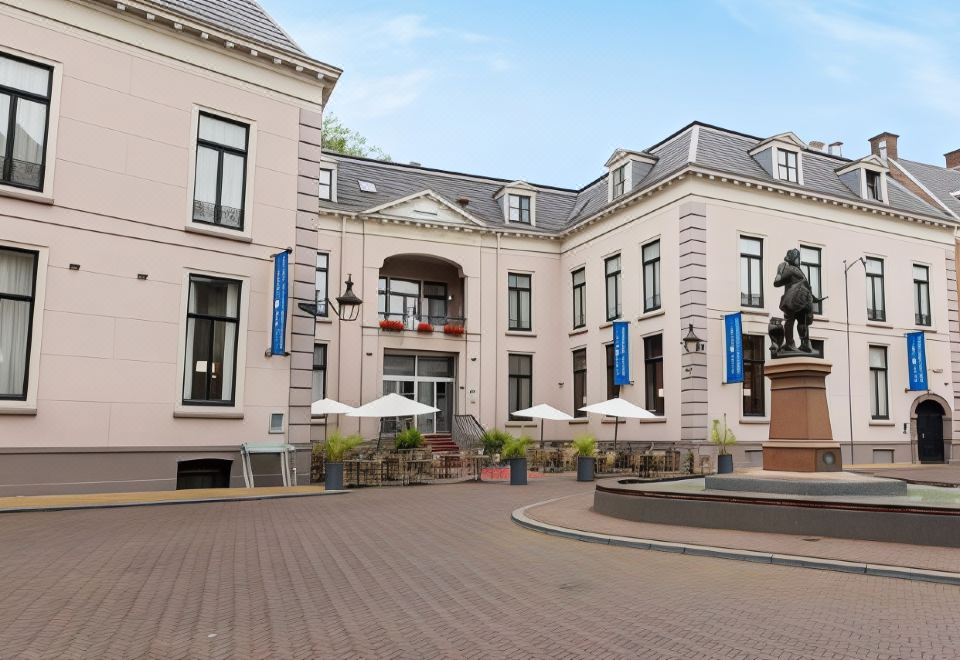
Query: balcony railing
x=217 y=214
x=922 y=319
x=436 y=322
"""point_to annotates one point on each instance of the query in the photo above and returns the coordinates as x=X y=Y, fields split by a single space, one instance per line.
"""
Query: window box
x=391 y=325
x=453 y=329
x=425 y=328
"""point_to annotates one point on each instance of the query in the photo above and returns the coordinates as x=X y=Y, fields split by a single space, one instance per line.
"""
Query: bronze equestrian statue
x=797 y=307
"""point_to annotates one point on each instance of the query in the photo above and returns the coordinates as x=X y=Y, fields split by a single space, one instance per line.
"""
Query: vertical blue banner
x=733 y=348
x=278 y=341
x=621 y=352
x=917 y=360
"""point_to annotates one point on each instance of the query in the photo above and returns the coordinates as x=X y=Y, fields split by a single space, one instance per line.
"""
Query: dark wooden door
x=930 y=432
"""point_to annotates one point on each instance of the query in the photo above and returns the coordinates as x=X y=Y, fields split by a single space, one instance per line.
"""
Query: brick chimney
x=953 y=159
x=884 y=145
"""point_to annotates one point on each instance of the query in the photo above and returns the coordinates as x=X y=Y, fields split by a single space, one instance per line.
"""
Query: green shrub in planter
x=408 y=439
x=493 y=441
x=515 y=447
x=337 y=446
x=585 y=445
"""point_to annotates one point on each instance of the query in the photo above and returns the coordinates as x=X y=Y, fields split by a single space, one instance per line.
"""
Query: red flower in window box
x=391 y=324
x=424 y=327
x=453 y=329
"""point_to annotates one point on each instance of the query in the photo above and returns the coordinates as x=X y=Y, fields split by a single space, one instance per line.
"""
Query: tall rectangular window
x=579 y=382
x=213 y=320
x=519 y=209
x=221 y=176
x=25 y=89
x=874 y=189
x=651 y=276
x=520 y=389
x=921 y=295
x=18 y=280
x=619 y=181
x=579 y=298
x=613 y=390
x=787 y=166
x=876 y=308
x=879 y=398
x=323 y=271
x=810 y=265
x=751 y=272
x=754 y=395
x=611 y=266
x=326 y=184
x=319 y=371
x=653 y=373
x=435 y=302
x=518 y=300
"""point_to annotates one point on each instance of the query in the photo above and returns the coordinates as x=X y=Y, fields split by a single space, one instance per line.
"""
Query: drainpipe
x=496 y=361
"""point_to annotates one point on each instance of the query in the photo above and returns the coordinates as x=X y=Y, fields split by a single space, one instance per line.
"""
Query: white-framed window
x=221 y=172
x=611 y=268
x=579 y=277
x=319 y=372
x=651 y=276
x=212 y=340
x=879 y=396
x=921 y=295
x=811 y=265
x=519 y=209
x=322 y=283
x=876 y=303
x=619 y=181
x=26 y=88
x=788 y=165
x=326 y=184
x=751 y=271
x=519 y=301
x=18 y=287
x=874 y=186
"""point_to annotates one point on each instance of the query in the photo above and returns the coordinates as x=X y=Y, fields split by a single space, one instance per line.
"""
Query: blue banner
x=917 y=360
x=621 y=352
x=278 y=342
x=733 y=348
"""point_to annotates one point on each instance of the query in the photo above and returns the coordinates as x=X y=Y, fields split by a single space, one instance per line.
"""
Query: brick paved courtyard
x=433 y=571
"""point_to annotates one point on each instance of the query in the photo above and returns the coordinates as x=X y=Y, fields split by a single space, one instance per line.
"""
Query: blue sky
x=546 y=91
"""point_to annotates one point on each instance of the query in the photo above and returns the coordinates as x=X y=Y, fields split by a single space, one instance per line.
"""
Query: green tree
x=343 y=140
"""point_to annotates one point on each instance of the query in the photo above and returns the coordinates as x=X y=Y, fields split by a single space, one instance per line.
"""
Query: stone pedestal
x=801 y=439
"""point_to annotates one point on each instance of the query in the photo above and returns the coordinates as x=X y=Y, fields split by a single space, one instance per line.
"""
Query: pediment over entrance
x=425 y=206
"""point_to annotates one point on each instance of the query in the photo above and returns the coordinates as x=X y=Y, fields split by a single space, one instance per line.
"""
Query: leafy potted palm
x=334 y=449
x=515 y=453
x=408 y=439
x=723 y=438
x=493 y=441
x=585 y=447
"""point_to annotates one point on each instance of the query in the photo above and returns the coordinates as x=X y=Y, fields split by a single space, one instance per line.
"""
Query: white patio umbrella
x=617 y=408
x=328 y=407
x=392 y=405
x=542 y=412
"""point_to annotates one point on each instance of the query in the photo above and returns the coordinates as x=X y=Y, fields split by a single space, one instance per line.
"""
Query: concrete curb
x=121 y=505
x=520 y=517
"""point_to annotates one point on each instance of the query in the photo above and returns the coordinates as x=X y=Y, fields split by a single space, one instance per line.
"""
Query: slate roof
x=940 y=181
x=559 y=208
x=245 y=18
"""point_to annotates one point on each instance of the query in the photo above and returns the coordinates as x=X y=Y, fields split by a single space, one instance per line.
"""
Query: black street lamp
x=349 y=304
x=692 y=343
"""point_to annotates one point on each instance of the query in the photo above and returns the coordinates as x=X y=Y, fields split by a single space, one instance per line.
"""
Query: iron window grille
x=520 y=392
x=611 y=266
x=518 y=300
x=651 y=276
x=213 y=324
x=921 y=295
x=751 y=272
x=25 y=90
x=18 y=283
x=810 y=264
x=787 y=166
x=221 y=158
x=519 y=206
x=579 y=382
x=579 y=298
x=653 y=373
x=876 y=307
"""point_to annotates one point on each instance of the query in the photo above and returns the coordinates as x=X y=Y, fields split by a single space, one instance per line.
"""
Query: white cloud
x=372 y=97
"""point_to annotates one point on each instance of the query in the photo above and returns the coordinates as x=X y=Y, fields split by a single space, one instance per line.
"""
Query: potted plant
x=453 y=329
x=391 y=325
x=493 y=441
x=423 y=326
x=585 y=447
x=408 y=439
x=334 y=449
x=722 y=438
x=515 y=453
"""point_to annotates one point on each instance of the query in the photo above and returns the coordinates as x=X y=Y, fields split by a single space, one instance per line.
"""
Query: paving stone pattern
x=423 y=572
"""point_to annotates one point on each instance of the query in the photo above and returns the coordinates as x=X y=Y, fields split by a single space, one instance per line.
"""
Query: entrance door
x=429 y=379
x=930 y=432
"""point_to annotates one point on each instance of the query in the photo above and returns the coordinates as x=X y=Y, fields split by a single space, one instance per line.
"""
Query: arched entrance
x=930 y=416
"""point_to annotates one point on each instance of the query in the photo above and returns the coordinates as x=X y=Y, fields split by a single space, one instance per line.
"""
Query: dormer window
x=787 y=166
x=519 y=209
x=619 y=181
x=874 y=189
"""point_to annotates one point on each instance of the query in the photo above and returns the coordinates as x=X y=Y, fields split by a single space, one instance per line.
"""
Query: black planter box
x=518 y=471
x=724 y=463
x=333 y=476
x=585 y=468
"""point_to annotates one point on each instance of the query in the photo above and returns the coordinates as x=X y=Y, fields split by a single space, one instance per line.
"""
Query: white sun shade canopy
x=329 y=407
x=392 y=405
x=543 y=411
x=618 y=408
